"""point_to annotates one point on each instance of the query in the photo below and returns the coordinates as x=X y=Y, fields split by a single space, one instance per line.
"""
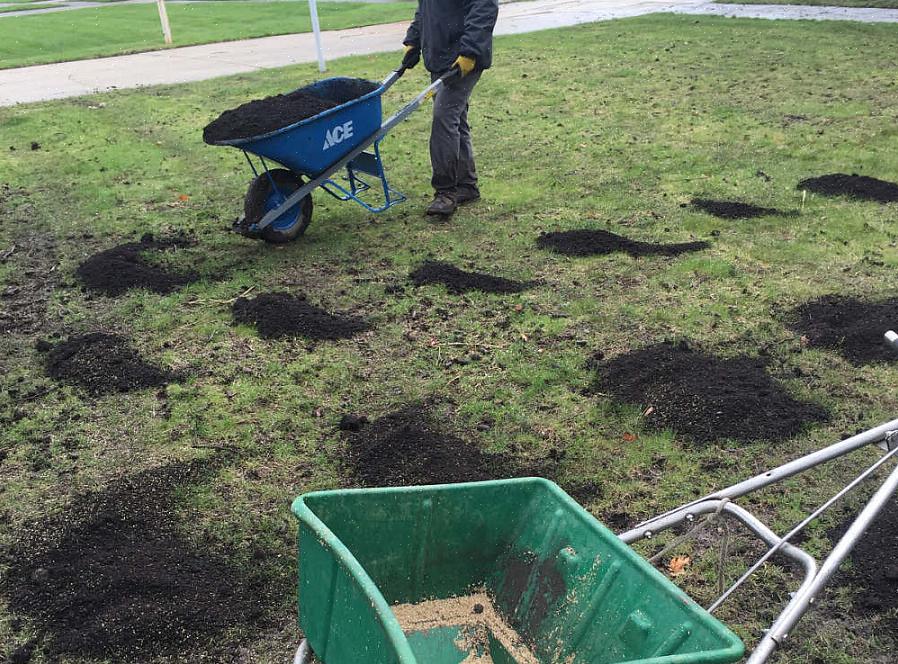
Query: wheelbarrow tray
x=311 y=145
x=573 y=590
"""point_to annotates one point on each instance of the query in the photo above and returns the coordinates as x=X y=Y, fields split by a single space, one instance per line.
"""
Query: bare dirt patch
x=852 y=327
x=702 y=396
x=127 y=266
x=101 y=363
x=112 y=578
x=733 y=209
x=459 y=281
x=874 y=571
x=277 y=315
x=411 y=446
x=28 y=287
x=859 y=187
x=587 y=242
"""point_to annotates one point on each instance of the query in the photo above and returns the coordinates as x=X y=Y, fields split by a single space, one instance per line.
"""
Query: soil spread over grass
x=262 y=116
x=117 y=270
x=277 y=315
x=874 y=571
x=112 y=578
x=861 y=187
x=409 y=447
x=101 y=363
x=586 y=242
x=704 y=397
x=458 y=281
x=732 y=209
x=854 y=328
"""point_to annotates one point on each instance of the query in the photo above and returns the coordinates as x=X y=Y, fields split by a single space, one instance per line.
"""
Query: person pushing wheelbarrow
x=452 y=34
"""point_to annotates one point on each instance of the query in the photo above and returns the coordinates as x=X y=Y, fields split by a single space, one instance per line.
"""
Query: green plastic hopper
x=567 y=584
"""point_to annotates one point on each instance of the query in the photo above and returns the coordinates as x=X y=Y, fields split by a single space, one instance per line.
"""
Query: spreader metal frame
x=816 y=576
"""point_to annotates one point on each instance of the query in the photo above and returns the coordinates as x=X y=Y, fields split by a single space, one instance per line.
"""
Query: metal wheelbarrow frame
x=313 y=151
x=815 y=575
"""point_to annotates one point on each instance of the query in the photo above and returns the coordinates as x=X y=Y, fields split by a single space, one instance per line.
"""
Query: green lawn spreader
x=575 y=592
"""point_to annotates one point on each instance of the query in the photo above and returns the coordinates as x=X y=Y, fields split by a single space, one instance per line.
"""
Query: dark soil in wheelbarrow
x=852 y=327
x=459 y=281
x=733 y=209
x=704 y=397
x=262 y=116
x=874 y=569
x=277 y=315
x=101 y=363
x=586 y=242
x=113 y=578
x=125 y=267
x=860 y=187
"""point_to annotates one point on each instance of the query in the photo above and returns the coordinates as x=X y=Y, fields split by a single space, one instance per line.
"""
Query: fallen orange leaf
x=678 y=564
x=629 y=437
x=183 y=197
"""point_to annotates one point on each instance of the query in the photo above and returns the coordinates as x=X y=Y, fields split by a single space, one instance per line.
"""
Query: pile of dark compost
x=587 y=242
x=874 y=571
x=459 y=281
x=733 y=209
x=853 y=328
x=111 y=578
x=410 y=446
x=262 y=116
x=101 y=363
x=860 y=187
x=122 y=268
x=277 y=315
x=702 y=396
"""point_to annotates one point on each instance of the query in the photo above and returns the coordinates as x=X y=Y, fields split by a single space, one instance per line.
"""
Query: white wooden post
x=163 y=18
x=316 y=28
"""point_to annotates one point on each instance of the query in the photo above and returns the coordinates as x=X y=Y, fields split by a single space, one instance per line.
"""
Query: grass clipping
x=478 y=621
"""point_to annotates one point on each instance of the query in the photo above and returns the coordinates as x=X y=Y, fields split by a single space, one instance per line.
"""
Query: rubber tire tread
x=258 y=192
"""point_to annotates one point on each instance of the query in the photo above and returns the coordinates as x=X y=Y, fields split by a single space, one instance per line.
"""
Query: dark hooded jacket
x=446 y=29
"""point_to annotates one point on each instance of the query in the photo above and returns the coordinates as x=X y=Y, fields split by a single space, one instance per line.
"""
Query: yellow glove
x=465 y=64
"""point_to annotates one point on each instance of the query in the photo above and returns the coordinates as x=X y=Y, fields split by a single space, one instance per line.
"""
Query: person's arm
x=413 y=35
x=480 y=19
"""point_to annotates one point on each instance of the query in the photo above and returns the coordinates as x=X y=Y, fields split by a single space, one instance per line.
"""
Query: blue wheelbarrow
x=278 y=203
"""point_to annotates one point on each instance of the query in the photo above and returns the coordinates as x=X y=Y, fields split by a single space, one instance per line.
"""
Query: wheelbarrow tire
x=261 y=197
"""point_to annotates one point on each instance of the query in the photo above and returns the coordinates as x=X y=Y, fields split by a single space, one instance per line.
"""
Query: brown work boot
x=443 y=204
x=467 y=194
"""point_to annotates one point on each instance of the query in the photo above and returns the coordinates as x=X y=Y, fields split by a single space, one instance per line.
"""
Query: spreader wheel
x=262 y=197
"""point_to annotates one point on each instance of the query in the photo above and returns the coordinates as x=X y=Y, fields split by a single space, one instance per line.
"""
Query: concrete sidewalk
x=197 y=63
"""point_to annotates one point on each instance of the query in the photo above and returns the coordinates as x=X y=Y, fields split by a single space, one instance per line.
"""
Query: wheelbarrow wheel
x=262 y=197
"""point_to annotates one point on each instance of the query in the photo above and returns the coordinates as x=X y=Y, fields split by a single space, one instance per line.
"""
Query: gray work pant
x=451 y=152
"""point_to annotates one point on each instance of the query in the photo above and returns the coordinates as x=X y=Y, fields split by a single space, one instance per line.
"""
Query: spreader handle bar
x=391 y=122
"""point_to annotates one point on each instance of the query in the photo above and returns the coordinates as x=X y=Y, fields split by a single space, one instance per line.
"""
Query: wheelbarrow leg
x=303 y=653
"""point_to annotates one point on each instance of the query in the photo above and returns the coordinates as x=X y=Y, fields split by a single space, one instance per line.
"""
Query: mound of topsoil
x=278 y=315
x=116 y=270
x=410 y=447
x=861 y=187
x=732 y=209
x=102 y=363
x=704 y=397
x=874 y=571
x=458 y=281
x=586 y=242
x=262 y=116
x=112 y=579
x=853 y=328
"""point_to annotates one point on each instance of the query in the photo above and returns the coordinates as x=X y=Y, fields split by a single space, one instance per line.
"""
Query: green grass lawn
x=93 y=32
x=614 y=126
x=19 y=8
x=881 y=4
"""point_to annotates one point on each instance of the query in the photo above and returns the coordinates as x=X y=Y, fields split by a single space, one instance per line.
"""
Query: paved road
x=196 y=63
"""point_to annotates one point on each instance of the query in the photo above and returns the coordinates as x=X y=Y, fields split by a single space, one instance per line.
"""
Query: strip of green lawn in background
x=878 y=4
x=92 y=32
x=25 y=8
